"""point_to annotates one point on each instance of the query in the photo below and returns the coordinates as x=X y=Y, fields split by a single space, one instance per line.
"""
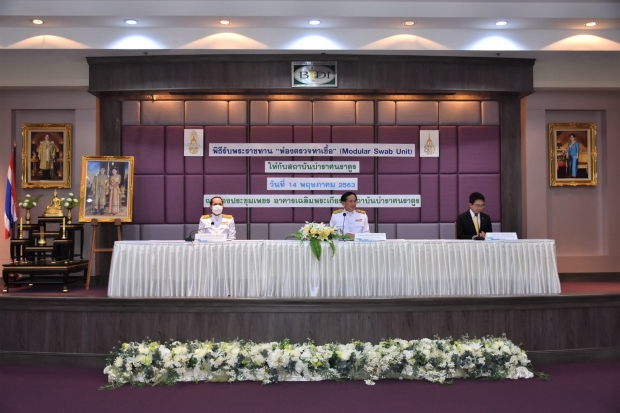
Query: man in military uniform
x=47 y=153
x=350 y=220
x=99 y=188
x=217 y=223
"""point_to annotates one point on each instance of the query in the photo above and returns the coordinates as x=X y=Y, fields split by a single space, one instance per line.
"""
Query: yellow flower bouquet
x=315 y=233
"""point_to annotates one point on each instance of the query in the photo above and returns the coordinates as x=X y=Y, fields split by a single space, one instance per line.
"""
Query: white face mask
x=217 y=209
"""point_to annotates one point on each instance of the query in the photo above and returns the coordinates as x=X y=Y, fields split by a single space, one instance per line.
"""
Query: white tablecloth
x=287 y=269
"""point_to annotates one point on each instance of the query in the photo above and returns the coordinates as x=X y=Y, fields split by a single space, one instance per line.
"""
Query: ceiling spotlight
x=37 y=21
x=224 y=22
x=314 y=22
x=131 y=21
x=409 y=23
x=501 y=23
x=590 y=24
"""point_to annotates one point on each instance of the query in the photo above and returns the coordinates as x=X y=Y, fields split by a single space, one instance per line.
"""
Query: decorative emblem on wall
x=193 y=142
x=429 y=142
x=314 y=74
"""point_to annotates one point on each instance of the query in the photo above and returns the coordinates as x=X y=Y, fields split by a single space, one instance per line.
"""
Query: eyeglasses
x=481 y=206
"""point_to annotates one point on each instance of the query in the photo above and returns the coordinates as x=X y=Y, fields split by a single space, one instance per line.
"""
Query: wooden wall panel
x=96 y=325
x=226 y=73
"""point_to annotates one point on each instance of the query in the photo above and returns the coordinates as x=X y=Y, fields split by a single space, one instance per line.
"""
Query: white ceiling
x=551 y=31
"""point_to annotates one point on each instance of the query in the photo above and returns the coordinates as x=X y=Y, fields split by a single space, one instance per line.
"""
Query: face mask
x=217 y=209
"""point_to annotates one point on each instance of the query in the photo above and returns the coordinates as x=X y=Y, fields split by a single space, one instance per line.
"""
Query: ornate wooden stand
x=45 y=252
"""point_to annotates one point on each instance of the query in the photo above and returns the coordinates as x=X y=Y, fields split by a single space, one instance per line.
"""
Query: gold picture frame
x=46 y=155
x=572 y=154
x=106 y=188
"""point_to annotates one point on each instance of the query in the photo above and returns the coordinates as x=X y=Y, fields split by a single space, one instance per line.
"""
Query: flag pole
x=15 y=183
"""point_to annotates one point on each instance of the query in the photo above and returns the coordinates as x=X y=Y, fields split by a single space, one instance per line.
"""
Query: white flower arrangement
x=316 y=233
x=29 y=202
x=437 y=361
x=70 y=202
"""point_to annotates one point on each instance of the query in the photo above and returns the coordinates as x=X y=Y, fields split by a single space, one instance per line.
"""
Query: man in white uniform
x=217 y=223
x=349 y=220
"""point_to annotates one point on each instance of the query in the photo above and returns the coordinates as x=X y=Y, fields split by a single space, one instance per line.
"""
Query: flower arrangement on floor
x=438 y=361
x=315 y=233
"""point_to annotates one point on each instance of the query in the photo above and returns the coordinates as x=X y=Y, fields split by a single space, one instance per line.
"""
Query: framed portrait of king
x=46 y=155
x=106 y=188
x=572 y=154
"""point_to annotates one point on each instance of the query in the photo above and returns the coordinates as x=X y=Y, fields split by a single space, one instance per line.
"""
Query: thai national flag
x=10 y=202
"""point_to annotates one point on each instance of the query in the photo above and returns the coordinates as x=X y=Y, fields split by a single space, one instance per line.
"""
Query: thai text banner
x=312 y=201
x=312 y=149
x=312 y=167
x=329 y=184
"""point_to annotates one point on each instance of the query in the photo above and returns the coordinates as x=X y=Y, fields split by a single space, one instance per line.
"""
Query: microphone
x=190 y=238
x=344 y=215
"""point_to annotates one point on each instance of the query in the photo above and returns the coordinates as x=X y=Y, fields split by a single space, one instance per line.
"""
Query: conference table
x=287 y=269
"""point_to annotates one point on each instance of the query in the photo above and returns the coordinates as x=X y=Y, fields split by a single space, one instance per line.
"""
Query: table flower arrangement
x=316 y=233
x=69 y=203
x=437 y=361
x=28 y=203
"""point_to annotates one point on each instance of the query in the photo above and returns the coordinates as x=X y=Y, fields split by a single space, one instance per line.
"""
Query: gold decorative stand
x=93 y=249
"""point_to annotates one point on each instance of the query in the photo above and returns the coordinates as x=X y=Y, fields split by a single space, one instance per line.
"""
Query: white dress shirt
x=218 y=224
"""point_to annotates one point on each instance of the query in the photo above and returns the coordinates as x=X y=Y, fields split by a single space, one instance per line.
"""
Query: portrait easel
x=95 y=224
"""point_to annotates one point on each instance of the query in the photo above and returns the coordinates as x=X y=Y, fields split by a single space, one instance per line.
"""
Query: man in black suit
x=473 y=224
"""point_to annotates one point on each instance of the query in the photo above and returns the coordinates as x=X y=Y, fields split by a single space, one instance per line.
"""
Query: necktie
x=476 y=224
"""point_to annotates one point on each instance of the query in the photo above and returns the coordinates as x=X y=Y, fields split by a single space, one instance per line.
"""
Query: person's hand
x=483 y=234
x=350 y=235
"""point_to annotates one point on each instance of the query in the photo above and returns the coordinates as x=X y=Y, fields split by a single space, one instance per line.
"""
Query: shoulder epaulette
x=361 y=211
x=227 y=216
x=206 y=216
x=337 y=211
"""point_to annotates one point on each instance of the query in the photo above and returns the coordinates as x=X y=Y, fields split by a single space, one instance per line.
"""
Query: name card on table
x=501 y=236
x=210 y=238
x=370 y=237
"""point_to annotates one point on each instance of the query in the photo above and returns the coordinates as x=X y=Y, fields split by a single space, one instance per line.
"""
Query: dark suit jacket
x=465 y=225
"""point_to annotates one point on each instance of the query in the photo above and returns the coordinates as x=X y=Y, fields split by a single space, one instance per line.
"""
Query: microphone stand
x=190 y=238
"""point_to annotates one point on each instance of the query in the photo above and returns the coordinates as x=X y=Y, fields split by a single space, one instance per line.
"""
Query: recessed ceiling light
x=314 y=22
x=590 y=24
x=224 y=22
x=409 y=23
x=501 y=23
x=37 y=21
x=131 y=21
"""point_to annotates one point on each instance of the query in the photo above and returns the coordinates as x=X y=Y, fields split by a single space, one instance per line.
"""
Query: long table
x=287 y=269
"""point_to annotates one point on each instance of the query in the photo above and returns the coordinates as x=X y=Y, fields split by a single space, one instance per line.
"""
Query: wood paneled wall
x=272 y=73
x=87 y=325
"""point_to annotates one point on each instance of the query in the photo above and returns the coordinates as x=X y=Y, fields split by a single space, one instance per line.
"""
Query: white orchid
x=247 y=361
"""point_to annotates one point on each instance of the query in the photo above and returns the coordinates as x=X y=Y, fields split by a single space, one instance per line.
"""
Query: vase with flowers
x=69 y=203
x=28 y=203
x=316 y=233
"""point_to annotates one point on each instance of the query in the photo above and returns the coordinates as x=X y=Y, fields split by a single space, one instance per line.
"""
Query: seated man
x=473 y=224
x=217 y=223
x=349 y=220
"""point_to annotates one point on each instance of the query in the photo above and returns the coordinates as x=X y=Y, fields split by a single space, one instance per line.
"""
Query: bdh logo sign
x=314 y=74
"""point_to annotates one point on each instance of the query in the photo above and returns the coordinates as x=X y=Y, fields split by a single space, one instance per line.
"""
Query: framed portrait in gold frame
x=572 y=154
x=46 y=155
x=106 y=188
